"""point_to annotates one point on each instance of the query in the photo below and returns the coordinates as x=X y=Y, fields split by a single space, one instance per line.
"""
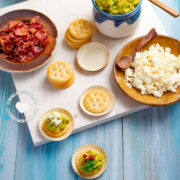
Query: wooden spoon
x=125 y=61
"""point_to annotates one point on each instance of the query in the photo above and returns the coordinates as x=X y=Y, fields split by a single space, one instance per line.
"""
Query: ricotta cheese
x=154 y=71
x=55 y=118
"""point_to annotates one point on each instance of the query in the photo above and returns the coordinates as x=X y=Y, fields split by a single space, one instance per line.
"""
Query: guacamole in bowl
x=117 y=18
x=117 y=7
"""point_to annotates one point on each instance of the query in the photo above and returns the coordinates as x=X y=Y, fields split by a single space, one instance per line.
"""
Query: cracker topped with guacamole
x=117 y=7
x=56 y=124
x=89 y=162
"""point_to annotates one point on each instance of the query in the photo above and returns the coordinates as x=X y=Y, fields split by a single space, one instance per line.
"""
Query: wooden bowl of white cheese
x=154 y=76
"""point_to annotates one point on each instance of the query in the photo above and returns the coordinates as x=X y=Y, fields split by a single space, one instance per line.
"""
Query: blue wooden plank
x=8 y=130
x=151 y=138
x=151 y=146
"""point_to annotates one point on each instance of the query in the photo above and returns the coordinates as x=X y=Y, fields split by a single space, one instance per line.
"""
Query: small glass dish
x=22 y=106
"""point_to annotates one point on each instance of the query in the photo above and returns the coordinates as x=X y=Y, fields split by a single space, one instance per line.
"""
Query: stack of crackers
x=60 y=74
x=79 y=33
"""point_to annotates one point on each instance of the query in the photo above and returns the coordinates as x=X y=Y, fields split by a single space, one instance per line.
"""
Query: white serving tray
x=62 y=13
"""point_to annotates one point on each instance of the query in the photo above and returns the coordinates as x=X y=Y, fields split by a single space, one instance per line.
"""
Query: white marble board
x=62 y=13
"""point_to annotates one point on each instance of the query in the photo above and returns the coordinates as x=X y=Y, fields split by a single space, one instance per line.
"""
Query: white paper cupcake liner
x=93 y=56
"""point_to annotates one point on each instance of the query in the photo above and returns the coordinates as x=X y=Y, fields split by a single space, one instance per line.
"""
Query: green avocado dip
x=56 y=122
x=91 y=162
x=117 y=7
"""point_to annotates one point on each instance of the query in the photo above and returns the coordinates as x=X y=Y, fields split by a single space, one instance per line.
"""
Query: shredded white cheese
x=55 y=118
x=154 y=71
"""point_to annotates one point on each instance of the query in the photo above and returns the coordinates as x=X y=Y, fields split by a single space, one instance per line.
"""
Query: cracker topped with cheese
x=56 y=124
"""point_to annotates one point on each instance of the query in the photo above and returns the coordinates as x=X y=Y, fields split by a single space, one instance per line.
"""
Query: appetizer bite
x=56 y=124
x=89 y=161
x=27 y=39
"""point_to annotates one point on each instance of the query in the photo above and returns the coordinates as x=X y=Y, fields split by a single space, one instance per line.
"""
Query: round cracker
x=64 y=86
x=97 y=101
x=77 y=44
x=64 y=134
x=80 y=29
x=81 y=150
x=60 y=73
x=74 y=40
x=93 y=111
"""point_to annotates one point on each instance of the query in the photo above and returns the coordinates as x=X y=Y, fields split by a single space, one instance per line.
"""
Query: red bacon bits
x=22 y=41
x=85 y=158
x=91 y=157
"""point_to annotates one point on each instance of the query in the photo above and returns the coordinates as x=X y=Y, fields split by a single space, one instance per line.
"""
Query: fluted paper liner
x=63 y=112
x=81 y=100
x=97 y=64
x=83 y=149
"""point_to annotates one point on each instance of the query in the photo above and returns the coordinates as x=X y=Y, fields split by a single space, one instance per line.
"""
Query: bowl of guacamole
x=116 y=7
x=116 y=18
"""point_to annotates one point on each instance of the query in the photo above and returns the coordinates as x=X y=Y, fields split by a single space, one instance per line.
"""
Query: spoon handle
x=124 y=62
x=152 y=33
x=166 y=8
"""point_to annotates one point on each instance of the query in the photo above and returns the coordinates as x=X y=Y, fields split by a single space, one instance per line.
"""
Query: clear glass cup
x=22 y=106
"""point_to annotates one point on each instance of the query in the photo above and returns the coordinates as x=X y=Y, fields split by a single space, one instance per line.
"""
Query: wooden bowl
x=168 y=97
x=26 y=15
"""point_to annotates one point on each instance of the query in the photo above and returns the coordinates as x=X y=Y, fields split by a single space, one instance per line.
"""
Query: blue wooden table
x=142 y=146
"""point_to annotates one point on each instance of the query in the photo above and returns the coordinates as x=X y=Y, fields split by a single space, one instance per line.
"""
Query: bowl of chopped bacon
x=27 y=40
